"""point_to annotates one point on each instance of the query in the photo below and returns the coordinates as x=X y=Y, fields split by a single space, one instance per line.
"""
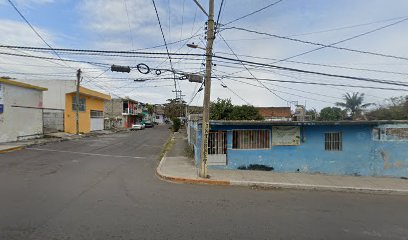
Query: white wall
x=55 y=96
x=18 y=123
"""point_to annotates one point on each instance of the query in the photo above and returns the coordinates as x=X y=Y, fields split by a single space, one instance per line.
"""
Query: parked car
x=148 y=124
x=138 y=126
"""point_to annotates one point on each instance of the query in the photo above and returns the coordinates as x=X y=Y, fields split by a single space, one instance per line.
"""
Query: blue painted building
x=360 y=148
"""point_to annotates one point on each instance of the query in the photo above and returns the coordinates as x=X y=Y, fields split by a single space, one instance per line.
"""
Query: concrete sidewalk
x=48 y=138
x=176 y=167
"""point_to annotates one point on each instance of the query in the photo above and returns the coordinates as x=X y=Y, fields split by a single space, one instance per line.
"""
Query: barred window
x=96 y=114
x=82 y=104
x=251 y=139
x=333 y=141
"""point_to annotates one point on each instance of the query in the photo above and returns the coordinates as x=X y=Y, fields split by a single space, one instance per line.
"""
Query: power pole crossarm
x=207 y=92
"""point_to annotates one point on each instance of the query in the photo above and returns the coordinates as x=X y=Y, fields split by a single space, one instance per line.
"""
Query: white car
x=138 y=126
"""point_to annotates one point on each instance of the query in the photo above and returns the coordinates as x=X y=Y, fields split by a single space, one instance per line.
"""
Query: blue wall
x=361 y=154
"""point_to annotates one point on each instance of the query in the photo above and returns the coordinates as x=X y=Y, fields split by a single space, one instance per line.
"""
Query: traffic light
x=117 y=68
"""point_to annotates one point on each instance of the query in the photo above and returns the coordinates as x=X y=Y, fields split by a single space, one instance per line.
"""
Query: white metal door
x=217 y=148
x=96 y=120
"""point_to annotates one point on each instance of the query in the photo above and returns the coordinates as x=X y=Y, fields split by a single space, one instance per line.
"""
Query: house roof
x=307 y=123
x=271 y=112
x=20 y=84
x=92 y=93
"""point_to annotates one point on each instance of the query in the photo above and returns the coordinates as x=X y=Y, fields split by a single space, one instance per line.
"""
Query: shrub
x=176 y=124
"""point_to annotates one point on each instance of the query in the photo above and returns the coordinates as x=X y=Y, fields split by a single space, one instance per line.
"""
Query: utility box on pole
x=194 y=78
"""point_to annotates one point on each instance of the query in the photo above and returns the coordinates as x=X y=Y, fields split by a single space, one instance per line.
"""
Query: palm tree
x=354 y=104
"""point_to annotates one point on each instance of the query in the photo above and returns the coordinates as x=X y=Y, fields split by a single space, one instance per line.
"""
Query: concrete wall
x=55 y=96
x=361 y=154
x=18 y=123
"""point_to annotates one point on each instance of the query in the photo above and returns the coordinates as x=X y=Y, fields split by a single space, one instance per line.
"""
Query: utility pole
x=77 y=100
x=207 y=92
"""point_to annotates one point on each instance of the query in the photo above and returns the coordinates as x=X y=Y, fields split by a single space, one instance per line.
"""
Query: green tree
x=150 y=108
x=174 y=108
x=353 y=104
x=223 y=109
x=331 y=114
x=397 y=109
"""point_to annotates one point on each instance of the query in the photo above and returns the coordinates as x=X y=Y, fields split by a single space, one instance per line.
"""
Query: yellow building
x=91 y=107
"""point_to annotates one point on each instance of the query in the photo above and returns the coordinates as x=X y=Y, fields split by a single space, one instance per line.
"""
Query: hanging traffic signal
x=117 y=68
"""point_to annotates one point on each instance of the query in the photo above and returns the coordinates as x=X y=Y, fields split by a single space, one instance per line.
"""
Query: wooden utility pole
x=77 y=100
x=207 y=92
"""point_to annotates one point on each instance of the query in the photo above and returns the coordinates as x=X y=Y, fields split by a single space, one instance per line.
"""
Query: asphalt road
x=105 y=188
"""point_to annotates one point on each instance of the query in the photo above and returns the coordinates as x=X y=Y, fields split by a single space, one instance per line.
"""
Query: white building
x=20 y=110
x=55 y=96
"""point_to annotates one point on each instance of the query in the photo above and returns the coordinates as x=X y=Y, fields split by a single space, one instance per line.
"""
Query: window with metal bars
x=251 y=139
x=333 y=141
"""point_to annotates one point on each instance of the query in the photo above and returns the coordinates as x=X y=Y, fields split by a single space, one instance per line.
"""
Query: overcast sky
x=133 y=25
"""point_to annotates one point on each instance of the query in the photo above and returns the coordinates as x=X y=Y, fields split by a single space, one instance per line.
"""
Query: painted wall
x=55 y=96
x=361 y=154
x=84 y=117
x=18 y=123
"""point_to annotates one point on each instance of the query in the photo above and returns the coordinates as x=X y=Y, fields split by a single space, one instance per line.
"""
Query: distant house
x=122 y=112
x=359 y=148
x=159 y=117
x=61 y=96
x=275 y=113
x=21 y=114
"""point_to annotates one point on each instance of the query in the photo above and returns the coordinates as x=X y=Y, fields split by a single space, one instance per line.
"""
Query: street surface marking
x=83 y=153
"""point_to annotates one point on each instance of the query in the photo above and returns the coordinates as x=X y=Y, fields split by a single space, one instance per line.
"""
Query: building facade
x=61 y=96
x=360 y=148
x=21 y=114
x=91 y=111
x=123 y=112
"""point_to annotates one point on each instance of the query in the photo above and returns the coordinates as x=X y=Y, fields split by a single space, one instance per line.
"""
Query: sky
x=125 y=25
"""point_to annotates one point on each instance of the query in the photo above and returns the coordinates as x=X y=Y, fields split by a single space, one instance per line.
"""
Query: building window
x=333 y=141
x=396 y=134
x=82 y=104
x=251 y=139
x=96 y=114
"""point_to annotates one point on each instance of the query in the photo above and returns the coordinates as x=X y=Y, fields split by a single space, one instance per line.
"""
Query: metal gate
x=217 y=148
x=96 y=120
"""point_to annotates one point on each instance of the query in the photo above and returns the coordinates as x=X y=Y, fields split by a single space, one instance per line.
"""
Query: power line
x=130 y=29
x=322 y=65
x=315 y=83
x=32 y=28
x=316 y=73
x=322 y=46
x=251 y=72
x=239 y=61
x=254 y=12
x=345 y=27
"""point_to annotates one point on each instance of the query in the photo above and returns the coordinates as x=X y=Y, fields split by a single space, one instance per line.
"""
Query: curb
x=188 y=180
x=12 y=149
x=270 y=185
x=318 y=187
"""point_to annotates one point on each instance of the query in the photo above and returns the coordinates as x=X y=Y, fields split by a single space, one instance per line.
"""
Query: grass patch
x=189 y=151
x=167 y=146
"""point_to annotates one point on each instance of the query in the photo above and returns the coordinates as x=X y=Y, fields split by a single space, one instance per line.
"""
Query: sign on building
x=1 y=98
x=285 y=135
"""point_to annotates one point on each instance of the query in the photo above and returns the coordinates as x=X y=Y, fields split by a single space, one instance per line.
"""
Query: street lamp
x=192 y=45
